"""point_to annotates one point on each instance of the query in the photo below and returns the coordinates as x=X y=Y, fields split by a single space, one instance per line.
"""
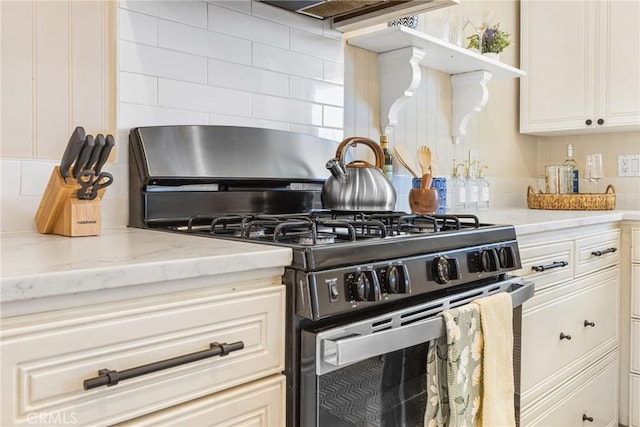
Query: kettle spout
x=337 y=169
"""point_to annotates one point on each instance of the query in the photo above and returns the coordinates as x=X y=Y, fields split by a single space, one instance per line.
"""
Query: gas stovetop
x=325 y=227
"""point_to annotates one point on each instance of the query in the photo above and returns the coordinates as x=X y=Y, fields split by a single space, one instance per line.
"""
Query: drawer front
x=257 y=404
x=45 y=362
x=635 y=245
x=593 y=402
x=549 y=256
x=635 y=290
x=548 y=359
x=597 y=252
x=635 y=346
x=634 y=401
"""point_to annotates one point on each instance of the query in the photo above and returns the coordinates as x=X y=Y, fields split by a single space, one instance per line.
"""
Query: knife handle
x=104 y=154
x=83 y=158
x=95 y=153
x=71 y=152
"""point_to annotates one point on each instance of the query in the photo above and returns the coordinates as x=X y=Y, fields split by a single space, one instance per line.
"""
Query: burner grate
x=325 y=227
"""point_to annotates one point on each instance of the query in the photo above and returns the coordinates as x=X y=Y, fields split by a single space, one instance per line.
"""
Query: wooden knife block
x=61 y=212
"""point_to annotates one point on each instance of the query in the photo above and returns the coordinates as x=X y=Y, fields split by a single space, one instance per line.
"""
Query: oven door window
x=389 y=390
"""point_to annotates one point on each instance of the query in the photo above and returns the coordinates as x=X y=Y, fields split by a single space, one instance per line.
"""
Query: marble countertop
x=36 y=265
x=527 y=221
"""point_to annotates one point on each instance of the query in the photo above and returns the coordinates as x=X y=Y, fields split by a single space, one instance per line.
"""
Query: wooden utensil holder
x=61 y=212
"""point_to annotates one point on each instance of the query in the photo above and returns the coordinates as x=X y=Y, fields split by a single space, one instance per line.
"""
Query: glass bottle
x=570 y=161
x=456 y=193
x=484 y=193
x=388 y=157
x=471 y=186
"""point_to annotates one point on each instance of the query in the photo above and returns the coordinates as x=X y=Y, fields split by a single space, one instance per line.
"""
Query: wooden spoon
x=424 y=158
x=403 y=157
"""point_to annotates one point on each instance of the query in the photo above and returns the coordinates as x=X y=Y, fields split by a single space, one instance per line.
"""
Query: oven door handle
x=344 y=351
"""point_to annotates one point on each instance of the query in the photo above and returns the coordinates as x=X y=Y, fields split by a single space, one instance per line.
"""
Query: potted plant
x=494 y=41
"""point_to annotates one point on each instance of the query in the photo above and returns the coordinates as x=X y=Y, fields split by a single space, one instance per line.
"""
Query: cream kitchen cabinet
x=570 y=329
x=582 y=64
x=634 y=374
x=47 y=357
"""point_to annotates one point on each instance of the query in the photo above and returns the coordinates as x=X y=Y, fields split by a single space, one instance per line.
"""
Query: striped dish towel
x=454 y=366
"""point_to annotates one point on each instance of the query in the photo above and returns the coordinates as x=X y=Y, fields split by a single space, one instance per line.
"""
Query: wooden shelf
x=403 y=50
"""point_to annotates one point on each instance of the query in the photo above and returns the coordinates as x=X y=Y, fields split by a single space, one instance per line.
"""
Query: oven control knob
x=441 y=270
x=489 y=260
x=366 y=286
x=506 y=257
x=397 y=280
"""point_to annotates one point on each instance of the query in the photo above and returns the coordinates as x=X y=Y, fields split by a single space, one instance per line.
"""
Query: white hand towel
x=497 y=408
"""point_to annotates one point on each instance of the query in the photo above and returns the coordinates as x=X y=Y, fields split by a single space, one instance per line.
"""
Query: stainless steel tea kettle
x=358 y=185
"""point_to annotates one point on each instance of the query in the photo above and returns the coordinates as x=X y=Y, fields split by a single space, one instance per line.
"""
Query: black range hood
x=348 y=15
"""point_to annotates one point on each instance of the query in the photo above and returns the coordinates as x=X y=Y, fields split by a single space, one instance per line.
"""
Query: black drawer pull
x=565 y=337
x=587 y=323
x=587 y=418
x=550 y=266
x=110 y=378
x=606 y=251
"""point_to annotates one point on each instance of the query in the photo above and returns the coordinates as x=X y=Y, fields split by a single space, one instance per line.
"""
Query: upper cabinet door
x=582 y=67
x=619 y=62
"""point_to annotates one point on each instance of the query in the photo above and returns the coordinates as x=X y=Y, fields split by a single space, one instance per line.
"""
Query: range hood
x=347 y=15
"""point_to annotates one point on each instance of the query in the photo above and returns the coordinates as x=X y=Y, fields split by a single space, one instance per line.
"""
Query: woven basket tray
x=572 y=202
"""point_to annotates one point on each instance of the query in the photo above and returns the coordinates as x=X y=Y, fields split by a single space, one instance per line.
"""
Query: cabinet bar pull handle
x=586 y=418
x=550 y=266
x=605 y=251
x=587 y=323
x=565 y=337
x=109 y=378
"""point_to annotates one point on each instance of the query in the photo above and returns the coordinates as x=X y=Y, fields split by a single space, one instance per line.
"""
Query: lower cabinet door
x=634 y=401
x=589 y=400
x=257 y=404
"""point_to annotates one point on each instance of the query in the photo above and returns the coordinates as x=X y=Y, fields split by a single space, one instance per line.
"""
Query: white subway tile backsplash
x=190 y=96
x=137 y=89
x=286 y=17
x=311 y=44
x=154 y=61
x=328 y=133
x=221 y=119
x=333 y=72
x=285 y=61
x=133 y=115
x=18 y=213
x=184 y=38
x=239 y=5
x=188 y=12
x=137 y=27
x=248 y=27
x=35 y=176
x=317 y=91
x=286 y=110
x=333 y=116
x=328 y=32
x=10 y=174
x=236 y=76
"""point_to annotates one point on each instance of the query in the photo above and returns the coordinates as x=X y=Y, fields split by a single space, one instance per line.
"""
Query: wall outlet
x=629 y=165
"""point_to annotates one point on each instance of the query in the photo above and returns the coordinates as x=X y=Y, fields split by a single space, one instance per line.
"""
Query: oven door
x=372 y=372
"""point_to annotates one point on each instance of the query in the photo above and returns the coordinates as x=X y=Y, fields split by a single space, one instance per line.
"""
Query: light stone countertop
x=36 y=265
x=528 y=221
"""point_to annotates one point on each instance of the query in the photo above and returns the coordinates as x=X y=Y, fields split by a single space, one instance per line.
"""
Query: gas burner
x=321 y=239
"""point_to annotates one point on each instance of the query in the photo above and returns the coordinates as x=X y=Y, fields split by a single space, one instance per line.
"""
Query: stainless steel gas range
x=364 y=288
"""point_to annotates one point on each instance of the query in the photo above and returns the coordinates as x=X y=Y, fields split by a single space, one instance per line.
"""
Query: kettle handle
x=355 y=140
